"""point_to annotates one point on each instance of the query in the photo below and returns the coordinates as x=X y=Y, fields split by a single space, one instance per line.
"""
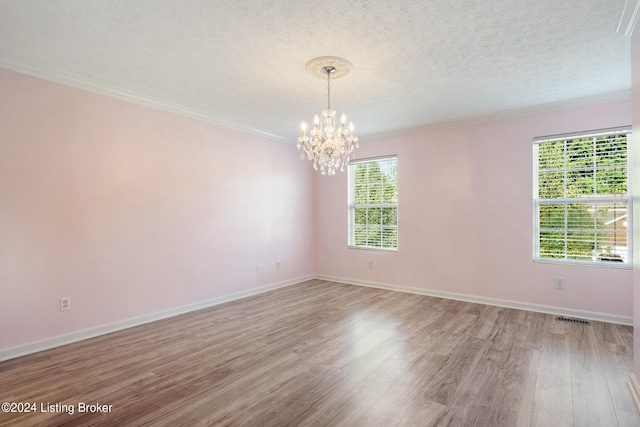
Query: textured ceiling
x=416 y=64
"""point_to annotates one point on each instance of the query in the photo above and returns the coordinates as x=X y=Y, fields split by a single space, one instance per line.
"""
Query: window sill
x=598 y=264
x=368 y=248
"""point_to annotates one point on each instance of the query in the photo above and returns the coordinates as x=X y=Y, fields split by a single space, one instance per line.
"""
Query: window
x=581 y=197
x=373 y=203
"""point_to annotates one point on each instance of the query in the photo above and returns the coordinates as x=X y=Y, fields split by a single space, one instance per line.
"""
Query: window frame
x=593 y=199
x=351 y=206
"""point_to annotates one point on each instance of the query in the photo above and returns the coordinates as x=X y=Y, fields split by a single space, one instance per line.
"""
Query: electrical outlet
x=277 y=265
x=370 y=265
x=259 y=268
x=559 y=283
x=65 y=303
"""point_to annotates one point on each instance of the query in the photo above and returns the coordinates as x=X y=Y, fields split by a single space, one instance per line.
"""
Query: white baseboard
x=561 y=311
x=634 y=389
x=48 y=343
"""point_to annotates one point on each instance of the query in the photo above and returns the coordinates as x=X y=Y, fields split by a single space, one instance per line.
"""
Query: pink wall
x=130 y=210
x=635 y=99
x=465 y=217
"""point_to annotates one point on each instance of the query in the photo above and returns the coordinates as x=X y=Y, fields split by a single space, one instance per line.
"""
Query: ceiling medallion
x=327 y=145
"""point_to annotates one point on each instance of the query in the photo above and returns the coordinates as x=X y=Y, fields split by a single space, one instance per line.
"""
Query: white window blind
x=581 y=197
x=373 y=203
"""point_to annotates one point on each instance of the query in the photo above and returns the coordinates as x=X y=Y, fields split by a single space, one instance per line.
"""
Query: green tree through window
x=373 y=203
x=581 y=197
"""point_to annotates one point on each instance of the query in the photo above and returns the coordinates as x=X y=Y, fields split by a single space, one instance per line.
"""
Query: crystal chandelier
x=328 y=144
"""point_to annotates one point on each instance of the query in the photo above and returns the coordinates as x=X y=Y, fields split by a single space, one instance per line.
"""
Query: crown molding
x=622 y=95
x=95 y=86
x=629 y=17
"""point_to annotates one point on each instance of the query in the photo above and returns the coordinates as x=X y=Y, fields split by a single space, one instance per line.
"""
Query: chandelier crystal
x=328 y=144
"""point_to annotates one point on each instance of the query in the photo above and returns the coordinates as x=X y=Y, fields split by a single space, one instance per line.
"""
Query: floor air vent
x=570 y=320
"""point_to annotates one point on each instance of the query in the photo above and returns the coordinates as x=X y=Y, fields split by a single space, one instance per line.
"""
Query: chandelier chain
x=328 y=89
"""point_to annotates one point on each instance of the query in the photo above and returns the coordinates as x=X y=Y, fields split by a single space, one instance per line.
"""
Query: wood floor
x=325 y=354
